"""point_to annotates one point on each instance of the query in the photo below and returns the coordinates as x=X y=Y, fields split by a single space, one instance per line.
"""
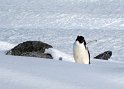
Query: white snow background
x=58 y=22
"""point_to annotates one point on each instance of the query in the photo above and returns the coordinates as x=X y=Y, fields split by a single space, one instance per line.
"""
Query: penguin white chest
x=80 y=53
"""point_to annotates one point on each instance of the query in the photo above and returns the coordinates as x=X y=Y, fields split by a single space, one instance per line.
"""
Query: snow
x=58 y=55
x=6 y=45
x=29 y=73
x=58 y=22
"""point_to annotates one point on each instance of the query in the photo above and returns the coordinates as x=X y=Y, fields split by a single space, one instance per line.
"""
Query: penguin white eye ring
x=80 y=51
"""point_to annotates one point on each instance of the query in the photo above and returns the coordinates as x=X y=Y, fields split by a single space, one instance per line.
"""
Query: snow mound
x=5 y=45
x=58 y=55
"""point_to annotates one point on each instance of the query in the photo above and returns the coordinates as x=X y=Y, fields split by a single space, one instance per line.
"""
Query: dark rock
x=105 y=56
x=31 y=49
x=60 y=58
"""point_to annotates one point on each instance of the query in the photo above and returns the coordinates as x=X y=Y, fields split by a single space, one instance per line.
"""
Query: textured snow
x=68 y=14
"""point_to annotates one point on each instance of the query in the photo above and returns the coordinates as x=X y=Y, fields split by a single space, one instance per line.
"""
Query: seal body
x=31 y=49
x=104 y=56
x=80 y=51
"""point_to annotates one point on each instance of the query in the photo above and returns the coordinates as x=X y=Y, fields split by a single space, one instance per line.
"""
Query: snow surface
x=58 y=22
x=35 y=73
x=58 y=55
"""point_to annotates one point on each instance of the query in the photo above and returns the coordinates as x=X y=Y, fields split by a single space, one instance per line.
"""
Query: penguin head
x=81 y=40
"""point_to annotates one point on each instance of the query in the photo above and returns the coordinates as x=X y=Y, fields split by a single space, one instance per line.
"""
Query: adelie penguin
x=80 y=51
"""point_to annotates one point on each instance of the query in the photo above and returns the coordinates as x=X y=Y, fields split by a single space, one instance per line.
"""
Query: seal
x=104 y=56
